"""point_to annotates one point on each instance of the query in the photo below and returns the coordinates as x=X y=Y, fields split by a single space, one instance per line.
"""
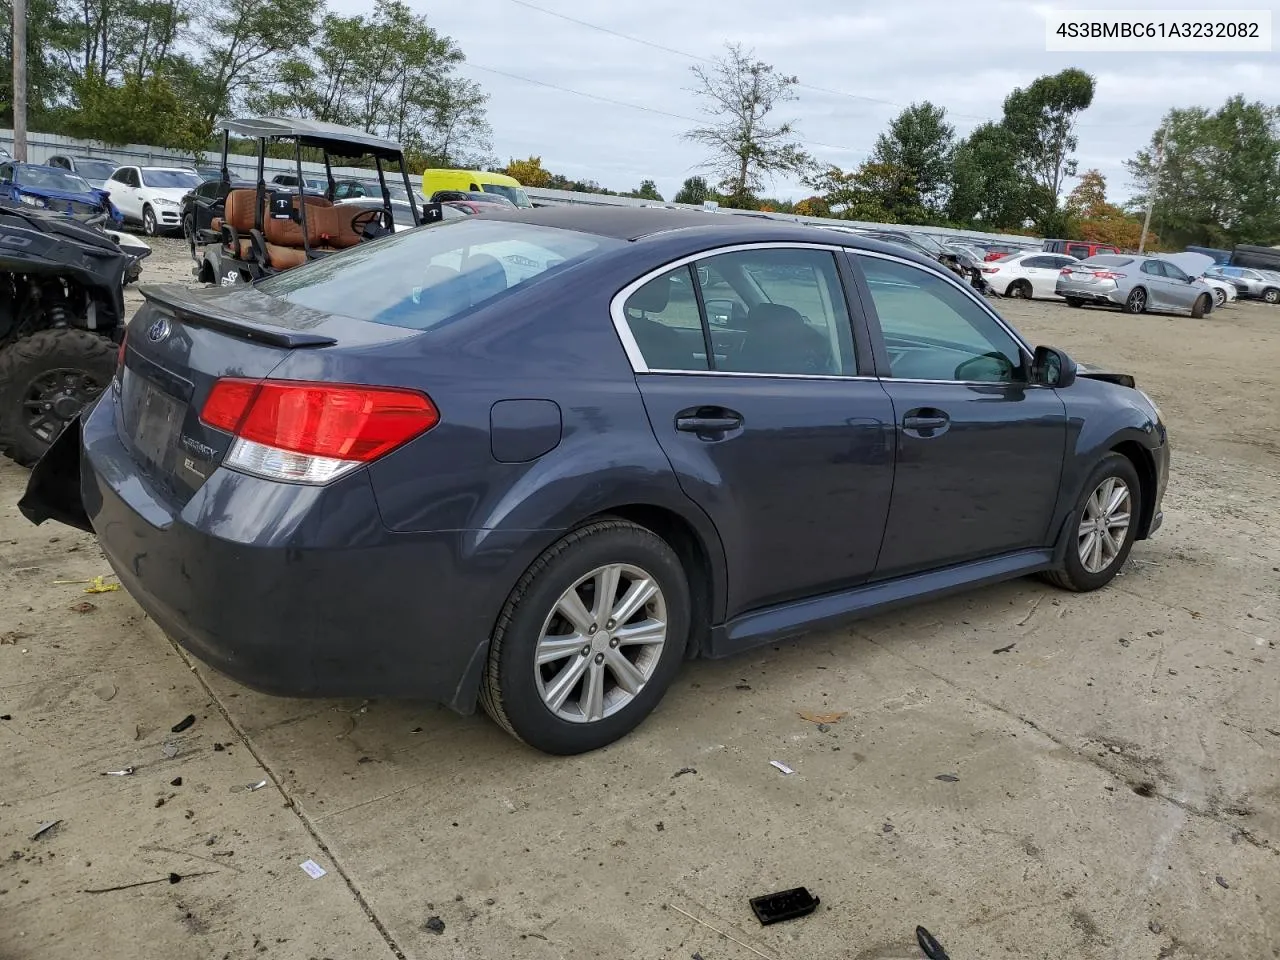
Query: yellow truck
x=434 y=181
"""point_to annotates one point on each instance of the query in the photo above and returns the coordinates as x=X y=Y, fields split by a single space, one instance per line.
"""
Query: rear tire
x=1106 y=563
x=1200 y=307
x=1136 y=302
x=1019 y=289
x=66 y=368
x=519 y=693
x=1074 y=302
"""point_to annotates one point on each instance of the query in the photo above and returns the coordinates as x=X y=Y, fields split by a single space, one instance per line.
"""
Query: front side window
x=934 y=331
x=421 y=278
x=1173 y=271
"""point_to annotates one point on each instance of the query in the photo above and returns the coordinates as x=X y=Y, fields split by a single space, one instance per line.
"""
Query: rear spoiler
x=204 y=308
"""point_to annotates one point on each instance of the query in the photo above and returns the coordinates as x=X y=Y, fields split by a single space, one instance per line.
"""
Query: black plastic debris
x=1005 y=649
x=184 y=724
x=784 y=905
x=435 y=925
x=219 y=747
x=682 y=771
x=175 y=782
x=1222 y=883
x=947 y=778
x=931 y=947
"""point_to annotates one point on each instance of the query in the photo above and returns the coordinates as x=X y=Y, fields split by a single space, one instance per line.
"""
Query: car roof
x=713 y=229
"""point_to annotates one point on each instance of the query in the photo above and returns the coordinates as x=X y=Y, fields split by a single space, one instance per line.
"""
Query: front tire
x=589 y=640
x=46 y=379
x=1200 y=307
x=1136 y=302
x=1271 y=295
x=1219 y=299
x=149 y=226
x=1103 y=526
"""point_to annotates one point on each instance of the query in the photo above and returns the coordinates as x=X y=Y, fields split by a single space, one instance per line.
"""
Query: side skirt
x=798 y=617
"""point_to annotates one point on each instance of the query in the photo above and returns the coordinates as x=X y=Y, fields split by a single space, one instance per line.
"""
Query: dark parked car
x=207 y=203
x=93 y=169
x=538 y=458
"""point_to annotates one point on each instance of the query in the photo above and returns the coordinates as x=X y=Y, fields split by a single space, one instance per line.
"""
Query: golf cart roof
x=332 y=137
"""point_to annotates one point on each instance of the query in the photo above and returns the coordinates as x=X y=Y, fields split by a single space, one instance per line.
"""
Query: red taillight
x=990 y=269
x=124 y=335
x=1107 y=275
x=1065 y=271
x=344 y=423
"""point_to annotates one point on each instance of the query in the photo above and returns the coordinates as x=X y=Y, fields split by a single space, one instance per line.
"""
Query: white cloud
x=964 y=56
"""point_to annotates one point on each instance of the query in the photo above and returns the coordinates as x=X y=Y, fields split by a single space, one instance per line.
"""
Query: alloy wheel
x=148 y=222
x=1271 y=296
x=601 y=643
x=1105 y=524
x=1219 y=297
x=1137 y=301
x=53 y=399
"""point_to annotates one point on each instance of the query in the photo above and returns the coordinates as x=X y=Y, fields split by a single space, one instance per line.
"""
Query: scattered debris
x=416 y=730
x=784 y=905
x=1222 y=883
x=6 y=716
x=44 y=828
x=782 y=767
x=186 y=723
x=171 y=878
x=169 y=749
x=84 y=606
x=824 y=728
x=661 y=826
x=489 y=902
x=160 y=801
x=435 y=925
x=1155 y=927
x=947 y=778
x=682 y=771
x=104 y=689
x=219 y=747
x=1115 y=749
x=175 y=782
x=12 y=637
x=822 y=716
x=717 y=930
x=126 y=772
x=1005 y=649
x=313 y=869
x=98 y=586
x=1144 y=789
x=931 y=947
x=1030 y=613
x=256 y=786
x=742 y=686
x=887 y=828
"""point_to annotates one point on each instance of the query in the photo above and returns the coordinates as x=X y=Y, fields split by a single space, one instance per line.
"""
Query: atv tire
x=65 y=368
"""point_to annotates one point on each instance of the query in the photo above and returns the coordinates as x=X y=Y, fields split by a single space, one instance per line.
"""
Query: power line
x=634 y=106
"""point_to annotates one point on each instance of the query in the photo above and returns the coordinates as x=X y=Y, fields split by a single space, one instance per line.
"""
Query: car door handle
x=708 y=421
x=926 y=423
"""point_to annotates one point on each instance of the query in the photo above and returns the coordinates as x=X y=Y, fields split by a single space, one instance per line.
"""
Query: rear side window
x=421 y=278
x=664 y=320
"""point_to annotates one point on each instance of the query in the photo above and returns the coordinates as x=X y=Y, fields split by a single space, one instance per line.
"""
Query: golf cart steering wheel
x=371 y=224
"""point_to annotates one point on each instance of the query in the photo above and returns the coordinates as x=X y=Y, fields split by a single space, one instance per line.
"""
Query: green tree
x=1089 y=198
x=648 y=190
x=738 y=93
x=47 y=37
x=693 y=190
x=1218 y=182
x=1040 y=121
x=135 y=110
x=912 y=161
x=986 y=187
x=530 y=172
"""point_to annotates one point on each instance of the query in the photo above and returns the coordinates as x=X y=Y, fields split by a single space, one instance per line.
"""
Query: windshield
x=47 y=178
x=514 y=194
x=94 y=169
x=169 y=178
x=421 y=278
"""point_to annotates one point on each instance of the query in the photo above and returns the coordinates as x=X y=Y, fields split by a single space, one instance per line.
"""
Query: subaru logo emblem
x=159 y=330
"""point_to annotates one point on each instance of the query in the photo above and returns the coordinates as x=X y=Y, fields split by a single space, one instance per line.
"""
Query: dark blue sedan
x=539 y=458
x=55 y=190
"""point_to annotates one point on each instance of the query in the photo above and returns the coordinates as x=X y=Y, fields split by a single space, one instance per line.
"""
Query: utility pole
x=1151 y=192
x=20 y=80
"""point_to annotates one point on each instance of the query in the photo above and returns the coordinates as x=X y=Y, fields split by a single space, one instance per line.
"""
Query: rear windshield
x=421 y=278
x=1105 y=261
x=169 y=178
x=95 y=169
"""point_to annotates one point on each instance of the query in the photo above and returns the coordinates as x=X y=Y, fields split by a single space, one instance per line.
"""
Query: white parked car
x=1027 y=275
x=152 y=196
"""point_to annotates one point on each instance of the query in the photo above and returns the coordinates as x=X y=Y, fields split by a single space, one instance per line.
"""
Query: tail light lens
x=313 y=432
x=990 y=269
x=1108 y=275
x=1065 y=271
x=124 y=336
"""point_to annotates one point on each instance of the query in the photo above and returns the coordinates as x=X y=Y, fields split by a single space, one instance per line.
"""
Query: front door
x=979 y=450
x=755 y=398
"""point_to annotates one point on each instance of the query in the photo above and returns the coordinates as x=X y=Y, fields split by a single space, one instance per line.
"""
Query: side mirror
x=1051 y=367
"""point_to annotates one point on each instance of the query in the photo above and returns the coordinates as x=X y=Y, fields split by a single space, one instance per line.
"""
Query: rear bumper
x=1091 y=292
x=295 y=590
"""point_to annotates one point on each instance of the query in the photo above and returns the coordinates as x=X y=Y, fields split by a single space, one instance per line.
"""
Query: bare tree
x=740 y=91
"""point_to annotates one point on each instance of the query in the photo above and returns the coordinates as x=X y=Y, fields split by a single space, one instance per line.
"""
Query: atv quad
x=61 y=322
x=261 y=230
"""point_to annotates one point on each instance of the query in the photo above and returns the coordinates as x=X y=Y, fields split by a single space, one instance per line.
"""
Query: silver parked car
x=1256 y=284
x=1135 y=284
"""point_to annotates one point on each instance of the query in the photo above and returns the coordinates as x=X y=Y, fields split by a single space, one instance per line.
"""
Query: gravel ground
x=1114 y=784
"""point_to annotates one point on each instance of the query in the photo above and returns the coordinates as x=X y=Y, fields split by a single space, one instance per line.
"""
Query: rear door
x=1159 y=294
x=1042 y=271
x=760 y=393
x=979 y=450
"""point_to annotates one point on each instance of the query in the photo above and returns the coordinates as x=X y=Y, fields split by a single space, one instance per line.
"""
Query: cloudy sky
x=860 y=62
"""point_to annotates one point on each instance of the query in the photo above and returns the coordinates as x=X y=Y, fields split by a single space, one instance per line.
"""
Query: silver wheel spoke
x=1087 y=527
x=572 y=609
x=647 y=632
x=551 y=649
x=1119 y=494
x=637 y=595
x=606 y=589
x=565 y=681
x=624 y=671
x=592 y=701
x=1095 y=555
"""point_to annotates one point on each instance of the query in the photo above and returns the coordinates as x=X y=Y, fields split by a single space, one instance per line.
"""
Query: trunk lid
x=181 y=341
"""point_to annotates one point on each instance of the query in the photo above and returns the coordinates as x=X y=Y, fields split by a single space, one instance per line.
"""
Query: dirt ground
x=1113 y=759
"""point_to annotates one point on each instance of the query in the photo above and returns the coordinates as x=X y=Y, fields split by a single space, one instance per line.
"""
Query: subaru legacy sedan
x=536 y=459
